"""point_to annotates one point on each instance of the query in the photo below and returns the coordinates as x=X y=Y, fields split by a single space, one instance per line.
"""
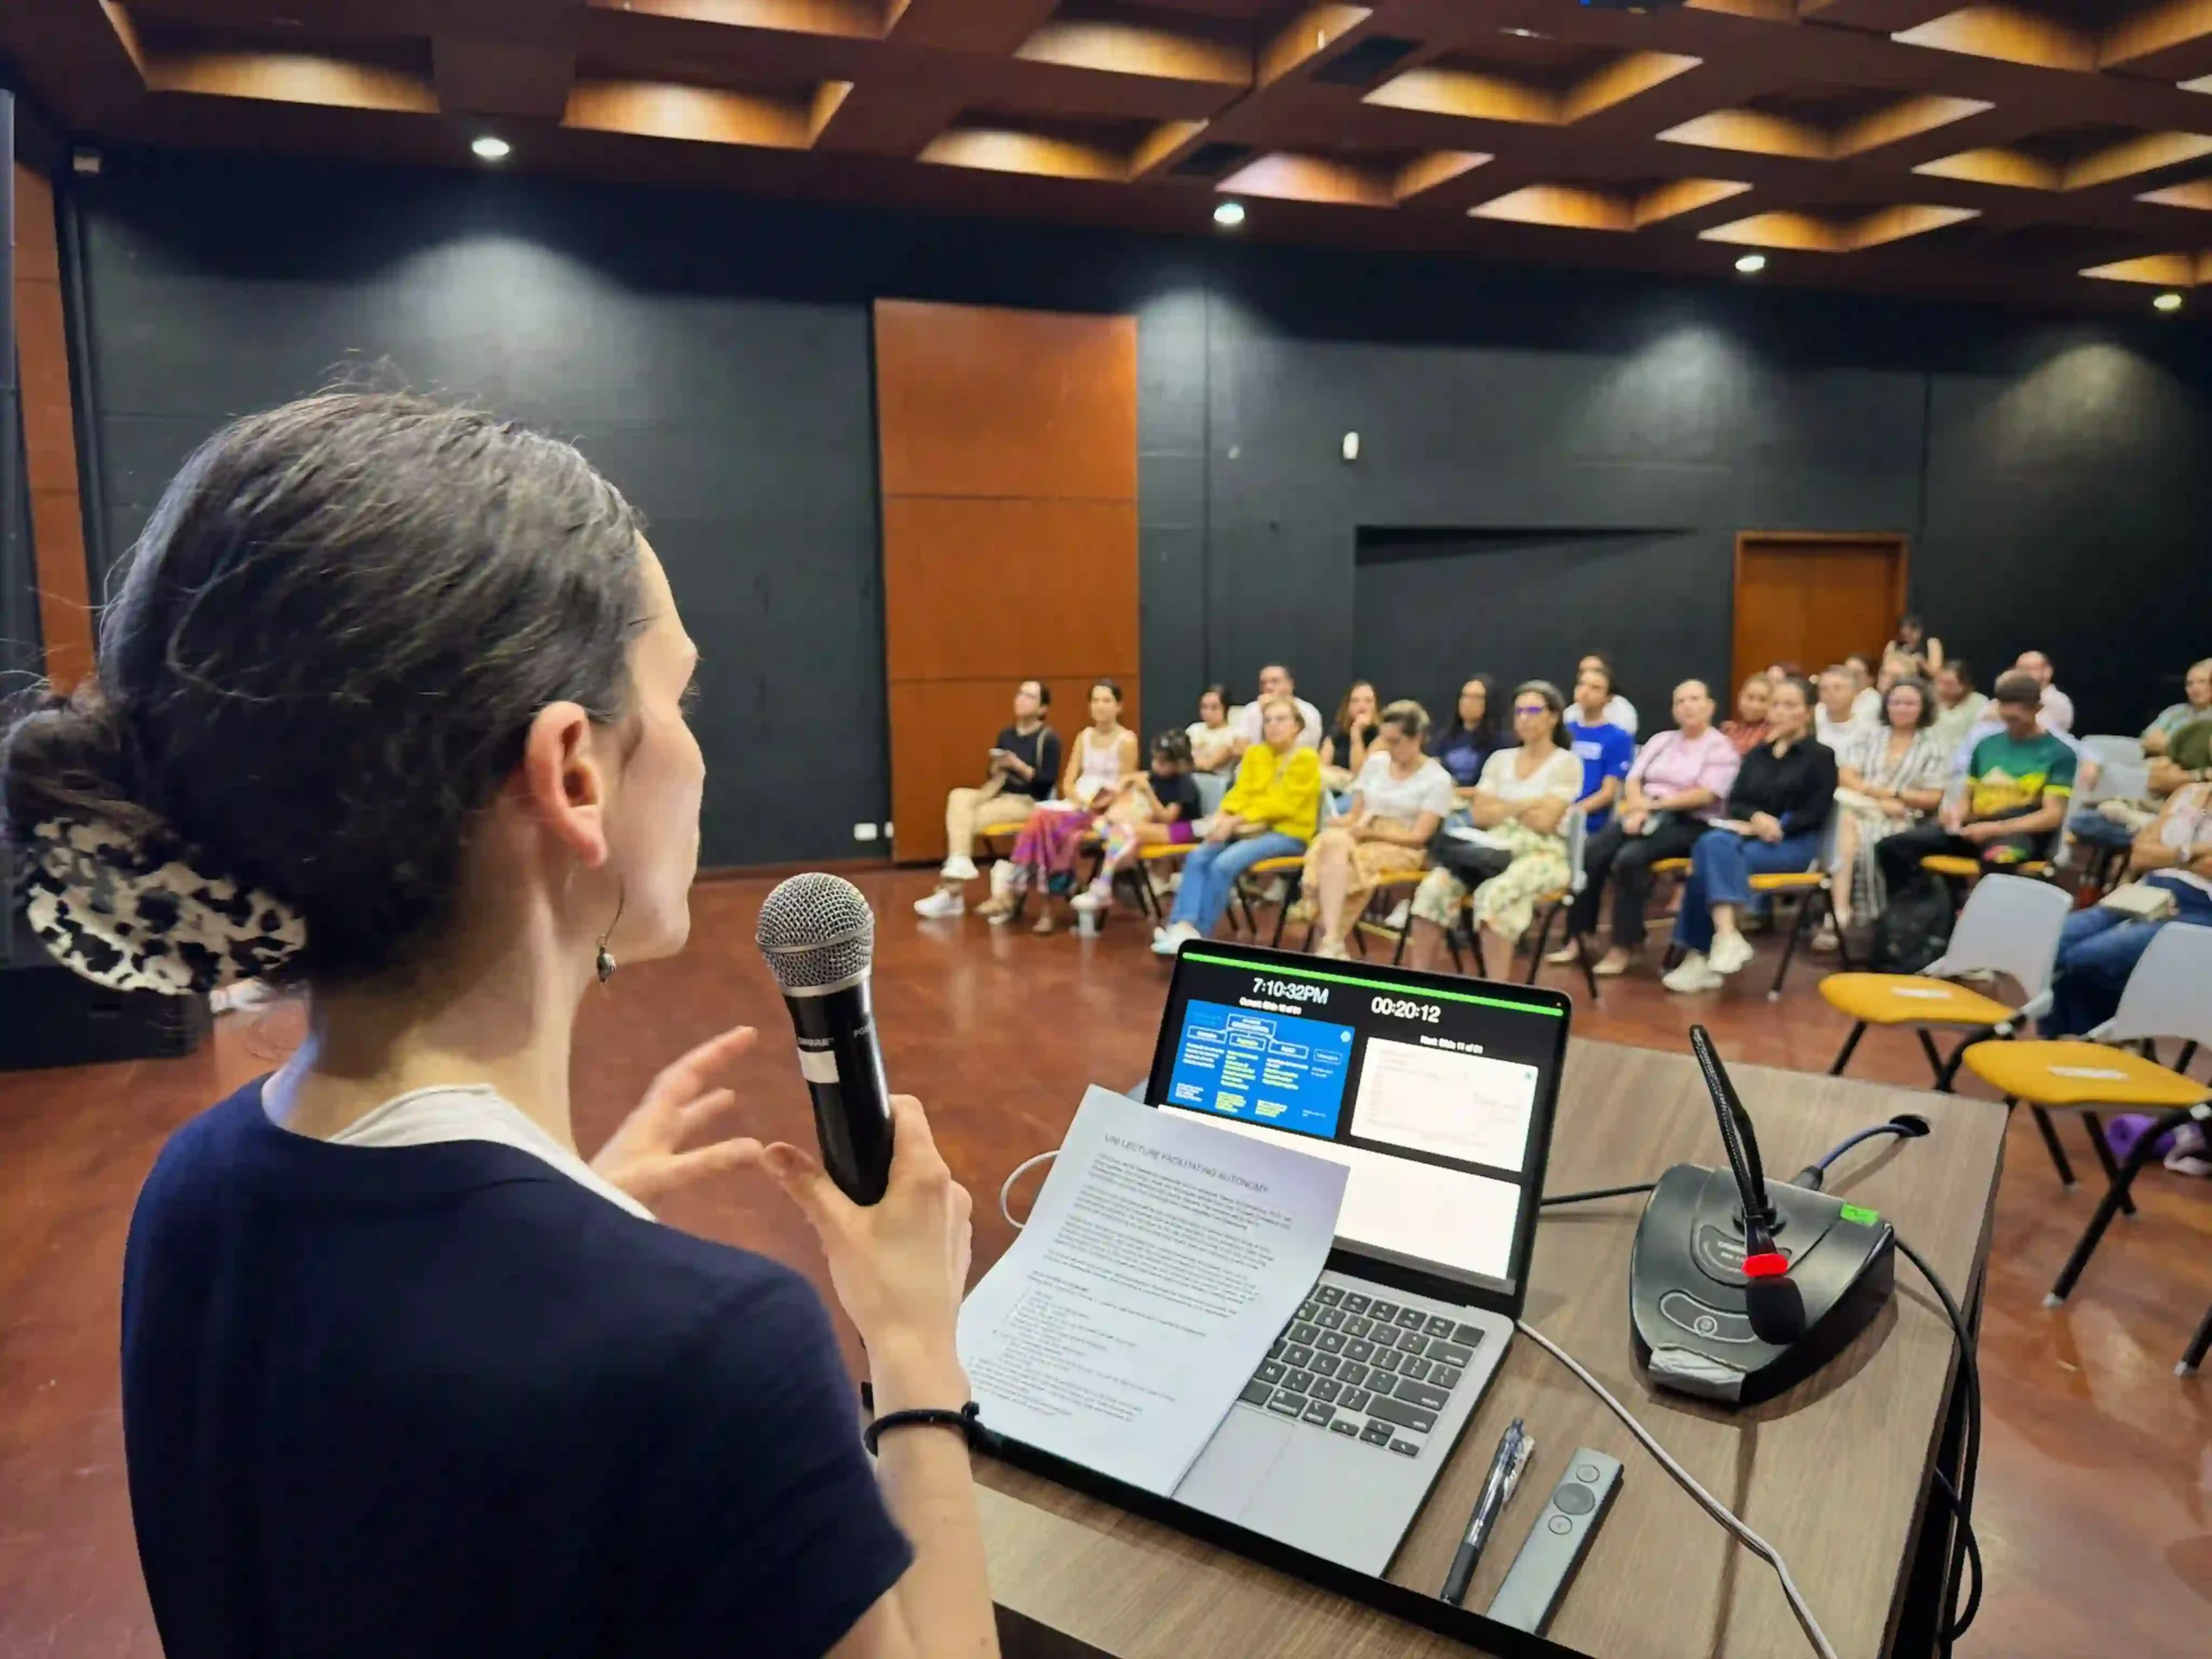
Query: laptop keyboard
x=1372 y=1369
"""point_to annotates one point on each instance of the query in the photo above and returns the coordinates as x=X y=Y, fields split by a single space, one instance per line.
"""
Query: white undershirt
x=445 y=1112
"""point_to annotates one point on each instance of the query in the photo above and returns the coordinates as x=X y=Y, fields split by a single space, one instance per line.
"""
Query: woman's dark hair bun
x=325 y=654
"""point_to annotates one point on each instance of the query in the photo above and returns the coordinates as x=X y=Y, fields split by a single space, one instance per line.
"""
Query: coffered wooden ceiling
x=2045 y=151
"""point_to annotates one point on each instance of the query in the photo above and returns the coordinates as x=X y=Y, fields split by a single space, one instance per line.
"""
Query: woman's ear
x=567 y=778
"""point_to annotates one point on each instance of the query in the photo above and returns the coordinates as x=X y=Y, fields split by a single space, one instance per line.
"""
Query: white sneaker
x=1090 y=901
x=958 y=869
x=1333 y=950
x=1729 y=953
x=1396 y=918
x=945 y=901
x=1171 y=938
x=1696 y=974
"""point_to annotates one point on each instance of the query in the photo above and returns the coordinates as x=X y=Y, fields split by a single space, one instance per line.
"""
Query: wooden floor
x=2095 y=1513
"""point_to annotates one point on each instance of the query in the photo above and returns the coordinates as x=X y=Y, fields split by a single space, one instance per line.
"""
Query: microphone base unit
x=1700 y=1326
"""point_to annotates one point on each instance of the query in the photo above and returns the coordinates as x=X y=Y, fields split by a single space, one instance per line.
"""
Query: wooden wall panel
x=50 y=435
x=1062 y=565
x=1007 y=441
x=976 y=400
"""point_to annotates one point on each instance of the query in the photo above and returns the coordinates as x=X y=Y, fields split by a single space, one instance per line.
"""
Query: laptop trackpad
x=1235 y=1462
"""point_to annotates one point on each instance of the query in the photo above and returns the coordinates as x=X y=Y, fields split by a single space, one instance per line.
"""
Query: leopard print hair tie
x=141 y=916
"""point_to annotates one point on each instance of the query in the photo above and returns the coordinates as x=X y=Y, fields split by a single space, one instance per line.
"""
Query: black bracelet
x=936 y=1416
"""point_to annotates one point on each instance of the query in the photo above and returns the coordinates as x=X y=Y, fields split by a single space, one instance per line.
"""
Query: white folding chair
x=2010 y=926
x=2106 y=750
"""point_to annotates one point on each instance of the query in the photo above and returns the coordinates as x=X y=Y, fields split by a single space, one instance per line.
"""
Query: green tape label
x=1864 y=1218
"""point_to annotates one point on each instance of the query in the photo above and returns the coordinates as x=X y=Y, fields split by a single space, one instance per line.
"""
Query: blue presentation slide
x=1274 y=1069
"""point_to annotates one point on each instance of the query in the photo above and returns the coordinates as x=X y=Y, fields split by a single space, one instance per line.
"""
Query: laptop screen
x=1435 y=1092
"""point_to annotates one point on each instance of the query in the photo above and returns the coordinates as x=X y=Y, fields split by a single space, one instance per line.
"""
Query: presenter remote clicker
x=1537 y=1580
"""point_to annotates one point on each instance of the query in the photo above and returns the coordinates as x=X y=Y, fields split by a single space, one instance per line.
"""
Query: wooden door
x=1811 y=599
x=1007 y=441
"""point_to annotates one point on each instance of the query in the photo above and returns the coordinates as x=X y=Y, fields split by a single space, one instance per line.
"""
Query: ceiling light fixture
x=1526 y=33
x=2168 y=302
x=1229 y=214
x=489 y=149
x=1752 y=263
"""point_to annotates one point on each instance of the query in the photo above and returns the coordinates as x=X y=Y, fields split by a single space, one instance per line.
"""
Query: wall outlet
x=863 y=832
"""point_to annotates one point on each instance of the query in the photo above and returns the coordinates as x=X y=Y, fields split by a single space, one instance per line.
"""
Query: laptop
x=1437 y=1093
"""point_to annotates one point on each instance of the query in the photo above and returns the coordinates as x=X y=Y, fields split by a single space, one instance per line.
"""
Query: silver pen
x=1515 y=1448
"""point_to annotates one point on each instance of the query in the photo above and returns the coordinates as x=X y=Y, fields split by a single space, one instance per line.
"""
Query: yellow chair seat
x=1670 y=867
x=1970 y=869
x=1277 y=866
x=2081 y=1074
x=1788 y=881
x=1161 y=851
x=1910 y=1000
x=1399 y=879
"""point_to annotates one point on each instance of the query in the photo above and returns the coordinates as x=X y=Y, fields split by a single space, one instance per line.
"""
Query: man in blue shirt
x=1607 y=752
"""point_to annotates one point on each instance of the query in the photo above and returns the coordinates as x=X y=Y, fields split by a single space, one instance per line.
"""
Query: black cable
x=1974 y=1551
x=1600 y=1192
x=1969 y=1457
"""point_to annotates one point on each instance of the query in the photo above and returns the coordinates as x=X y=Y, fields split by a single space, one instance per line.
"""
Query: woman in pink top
x=1678 y=782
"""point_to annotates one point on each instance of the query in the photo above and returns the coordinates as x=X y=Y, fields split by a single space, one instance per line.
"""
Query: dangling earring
x=604 y=963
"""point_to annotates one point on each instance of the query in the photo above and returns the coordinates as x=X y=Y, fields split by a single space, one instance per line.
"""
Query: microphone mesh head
x=815 y=930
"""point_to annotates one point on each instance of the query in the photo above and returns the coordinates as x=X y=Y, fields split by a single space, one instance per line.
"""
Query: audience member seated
x=2099 y=946
x=1749 y=729
x=1912 y=643
x=1675 y=791
x=1959 y=707
x=1836 y=719
x=1619 y=711
x=1605 y=751
x=2113 y=825
x=1275 y=682
x=1465 y=747
x=1399 y=801
x=1156 y=809
x=1213 y=736
x=1270 y=813
x=2187 y=758
x=1522 y=804
x=1895 y=667
x=1103 y=754
x=1888 y=779
x=1344 y=751
x=1772 y=824
x=1865 y=698
x=1991 y=724
x=1023 y=761
x=2058 y=706
x=2017 y=782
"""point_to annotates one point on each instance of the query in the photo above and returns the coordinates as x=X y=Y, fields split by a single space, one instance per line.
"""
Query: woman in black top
x=390 y=708
x=1344 y=751
x=1776 y=815
x=1464 y=746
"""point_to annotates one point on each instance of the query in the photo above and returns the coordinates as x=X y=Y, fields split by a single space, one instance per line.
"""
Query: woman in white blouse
x=1399 y=799
x=1522 y=803
x=1888 y=777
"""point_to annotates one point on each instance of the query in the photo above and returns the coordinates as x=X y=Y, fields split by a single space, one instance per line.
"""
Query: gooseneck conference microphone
x=818 y=936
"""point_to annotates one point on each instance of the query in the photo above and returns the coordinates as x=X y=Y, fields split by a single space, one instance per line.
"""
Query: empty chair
x=2010 y=926
x=2168 y=995
x=2113 y=749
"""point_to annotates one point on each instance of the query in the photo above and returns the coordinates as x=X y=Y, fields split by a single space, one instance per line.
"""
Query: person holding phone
x=403 y=1372
x=1023 y=762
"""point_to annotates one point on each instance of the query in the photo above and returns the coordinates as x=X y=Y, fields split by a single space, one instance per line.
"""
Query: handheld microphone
x=818 y=937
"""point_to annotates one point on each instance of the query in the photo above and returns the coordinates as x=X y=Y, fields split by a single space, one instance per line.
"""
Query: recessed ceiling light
x=490 y=149
x=2168 y=302
x=1752 y=263
x=1229 y=214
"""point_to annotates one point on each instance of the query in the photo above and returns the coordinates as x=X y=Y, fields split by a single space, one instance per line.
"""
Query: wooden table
x=1833 y=1473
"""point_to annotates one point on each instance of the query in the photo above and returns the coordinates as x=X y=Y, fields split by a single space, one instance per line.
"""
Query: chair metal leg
x=1947 y=1073
x=2108 y=1206
x=2103 y=1148
x=1934 y=1057
x=1850 y=1047
x=1589 y=968
x=2058 y=1159
x=2187 y=1057
x=1282 y=915
x=1543 y=939
x=2199 y=1345
x=1789 y=947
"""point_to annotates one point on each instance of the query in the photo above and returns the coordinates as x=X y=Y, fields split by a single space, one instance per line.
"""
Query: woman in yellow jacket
x=1270 y=812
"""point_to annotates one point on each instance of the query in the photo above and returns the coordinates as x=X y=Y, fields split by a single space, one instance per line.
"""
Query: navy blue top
x=1464 y=753
x=443 y=1400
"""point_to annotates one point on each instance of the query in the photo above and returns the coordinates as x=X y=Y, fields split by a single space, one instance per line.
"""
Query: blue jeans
x=2098 y=948
x=1722 y=865
x=1210 y=874
x=2086 y=825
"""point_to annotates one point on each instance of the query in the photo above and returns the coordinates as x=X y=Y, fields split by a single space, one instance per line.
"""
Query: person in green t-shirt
x=2017 y=783
x=2187 y=758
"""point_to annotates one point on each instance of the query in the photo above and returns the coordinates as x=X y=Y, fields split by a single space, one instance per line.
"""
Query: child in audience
x=1399 y=801
x=1150 y=810
x=1522 y=802
x=1775 y=814
x=1344 y=751
x=1605 y=751
x=1749 y=729
x=1103 y=754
